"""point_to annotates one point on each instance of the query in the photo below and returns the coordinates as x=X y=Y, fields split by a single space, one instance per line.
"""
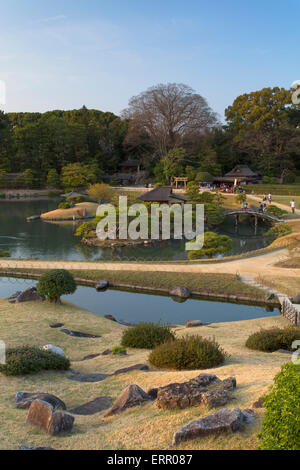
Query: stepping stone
x=56 y=325
x=87 y=378
x=24 y=400
x=23 y=447
x=132 y=396
x=78 y=334
x=88 y=358
x=92 y=407
x=106 y=352
x=283 y=351
x=223 y=421
x=258 y=403
x=95 y=377
x=131 y=368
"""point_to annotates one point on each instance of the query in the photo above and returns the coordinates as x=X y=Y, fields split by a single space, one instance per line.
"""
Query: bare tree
x=165 y=116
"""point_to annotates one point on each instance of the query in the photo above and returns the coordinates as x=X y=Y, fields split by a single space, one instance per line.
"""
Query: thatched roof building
x=239 y=174
x=163 y=195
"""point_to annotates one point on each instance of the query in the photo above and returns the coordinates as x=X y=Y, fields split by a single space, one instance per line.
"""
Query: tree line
x=170 y=128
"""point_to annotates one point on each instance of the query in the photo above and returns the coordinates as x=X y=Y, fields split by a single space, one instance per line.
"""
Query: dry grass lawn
x=68 y=214
x=285 y=284
x=140 y=428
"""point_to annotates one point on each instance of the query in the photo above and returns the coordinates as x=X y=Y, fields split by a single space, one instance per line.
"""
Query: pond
x=56 y=240
x=135 y=307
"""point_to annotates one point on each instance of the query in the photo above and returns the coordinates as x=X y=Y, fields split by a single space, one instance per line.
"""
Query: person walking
x=270 y=198
x=243 y=205
x=293 y=206
x=261 y=207
x=265 y=197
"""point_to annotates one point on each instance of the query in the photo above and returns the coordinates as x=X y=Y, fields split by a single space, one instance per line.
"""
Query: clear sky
x=63 y=54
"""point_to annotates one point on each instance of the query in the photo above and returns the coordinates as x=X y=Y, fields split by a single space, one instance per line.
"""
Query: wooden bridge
x=255 y=214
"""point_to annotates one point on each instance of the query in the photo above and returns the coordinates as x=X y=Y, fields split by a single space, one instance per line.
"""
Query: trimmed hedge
x=281 y=425
x=273 y=339
x=118 y=351
x=146 y=336
x=188 y=353
x=28 y=360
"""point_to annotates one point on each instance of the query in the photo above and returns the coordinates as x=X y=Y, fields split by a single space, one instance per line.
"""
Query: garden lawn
x=144 y=427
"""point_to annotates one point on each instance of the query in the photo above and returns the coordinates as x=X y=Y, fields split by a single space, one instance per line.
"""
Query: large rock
x=102 y=285
x=54 y=349
x=206 y=389
x=193 y=323
x=110 y=317
x=132 y=396
x=223 y=421
x=181 y=292
x=24 y=400
x=30 y=295
x=44 y=416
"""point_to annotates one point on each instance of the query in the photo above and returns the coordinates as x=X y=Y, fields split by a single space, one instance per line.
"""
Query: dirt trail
x=262 y=265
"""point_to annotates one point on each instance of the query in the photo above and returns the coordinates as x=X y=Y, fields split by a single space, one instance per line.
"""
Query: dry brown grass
x=139 y=428
x=68 y=214
x=285 y=284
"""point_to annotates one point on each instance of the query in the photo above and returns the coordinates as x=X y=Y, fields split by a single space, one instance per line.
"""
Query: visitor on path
x=265 y=208
x=270 y=198
x=243 y=205
x=265 y=197
x=293 y=206
x=261 y=207
x=246 y=206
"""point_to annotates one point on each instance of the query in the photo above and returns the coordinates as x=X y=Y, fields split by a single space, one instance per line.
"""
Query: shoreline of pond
x=227 y=298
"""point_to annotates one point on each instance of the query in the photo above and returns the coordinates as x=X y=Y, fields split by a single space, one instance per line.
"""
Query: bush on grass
x=146 y=335
x=28 y=360
x=281 y=425
x=188 y=353
x=64 y=205
x=56 y=282
x=4 y=253
x=273 y=339
x=118 y=350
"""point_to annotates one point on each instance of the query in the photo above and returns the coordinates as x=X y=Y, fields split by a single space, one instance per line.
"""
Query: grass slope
x=140 y=428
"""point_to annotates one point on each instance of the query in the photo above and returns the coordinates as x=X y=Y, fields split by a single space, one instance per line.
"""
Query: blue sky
x=63 y=54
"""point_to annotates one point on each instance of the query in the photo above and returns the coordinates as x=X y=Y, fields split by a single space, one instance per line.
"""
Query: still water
x=56 y=240
x=134 y=307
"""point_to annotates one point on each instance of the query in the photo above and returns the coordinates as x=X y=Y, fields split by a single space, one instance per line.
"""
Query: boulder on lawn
x=132 y=396
x=54 y=349
x=44 y=416
x=181 y=292
x=206 y=389
x=102 y=285
x=223 y=421
x=193 y=323
x=24 y=400
x=258 y=403
x=30 y=295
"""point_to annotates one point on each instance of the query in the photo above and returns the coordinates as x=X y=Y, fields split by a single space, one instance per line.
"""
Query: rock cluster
x=206 y=389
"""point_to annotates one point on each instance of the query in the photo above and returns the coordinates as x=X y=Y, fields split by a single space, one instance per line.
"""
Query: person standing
x=261 y=207
x=293 y=206
x=270 y=198
x=265 y=197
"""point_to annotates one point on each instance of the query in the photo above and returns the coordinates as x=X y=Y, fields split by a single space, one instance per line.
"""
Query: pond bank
x=254 y=296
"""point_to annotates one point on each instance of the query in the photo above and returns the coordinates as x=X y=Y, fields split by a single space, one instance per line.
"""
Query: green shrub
x=56 y=282
x=281 y=424
x=4 y=253
x=273 y=339
x=75 y=199
x=118 y=350
x=28 y=360
x=278 y=231
x=214 y=244
x=64 y=205
x=146 y=335
x=2 y=195
x=276 y=211
x=187 y=353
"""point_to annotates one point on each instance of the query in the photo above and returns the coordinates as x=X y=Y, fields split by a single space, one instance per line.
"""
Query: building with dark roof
x=163 y=195
x=241 y=174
